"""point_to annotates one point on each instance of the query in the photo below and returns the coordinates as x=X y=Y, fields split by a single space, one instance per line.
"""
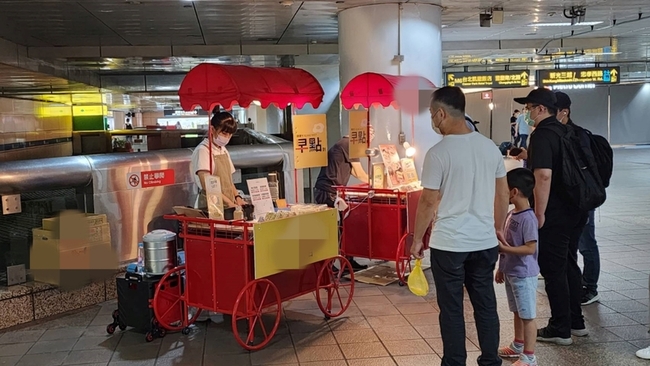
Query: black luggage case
x=134 y=298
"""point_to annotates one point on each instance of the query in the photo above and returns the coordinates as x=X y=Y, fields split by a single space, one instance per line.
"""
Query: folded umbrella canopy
x=373 y=88
x=208 y=85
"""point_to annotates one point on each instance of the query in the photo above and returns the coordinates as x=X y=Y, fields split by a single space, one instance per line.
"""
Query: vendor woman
x=223 y=126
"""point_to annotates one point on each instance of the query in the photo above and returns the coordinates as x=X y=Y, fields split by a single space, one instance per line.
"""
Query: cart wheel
x=122 y=326
x=169 y=305
x=149 y=337
x=403 y=259
x=116 y=314
x=186 y=331
x=258 y=298
x=110 y=329
x=339 y=295
x=161 y=332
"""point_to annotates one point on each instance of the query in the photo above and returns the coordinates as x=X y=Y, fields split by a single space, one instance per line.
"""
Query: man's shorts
x=522 y=295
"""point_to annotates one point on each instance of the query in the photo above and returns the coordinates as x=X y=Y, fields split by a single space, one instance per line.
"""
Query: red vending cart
x=228 y=269
x=379 y=223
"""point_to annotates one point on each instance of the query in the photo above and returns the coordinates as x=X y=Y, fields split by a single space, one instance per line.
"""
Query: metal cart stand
x=379 y=224
x=220 y=275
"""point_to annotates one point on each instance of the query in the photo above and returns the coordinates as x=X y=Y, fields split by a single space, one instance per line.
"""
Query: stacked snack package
x=295 y=210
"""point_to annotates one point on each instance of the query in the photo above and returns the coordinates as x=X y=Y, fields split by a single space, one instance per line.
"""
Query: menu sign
x=260 y=196
x=358 y=134
x=594 y=75
x=489 y=79
x=309 y=141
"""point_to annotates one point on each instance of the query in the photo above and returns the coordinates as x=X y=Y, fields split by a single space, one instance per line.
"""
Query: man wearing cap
x=587 y=243
x=557 y=221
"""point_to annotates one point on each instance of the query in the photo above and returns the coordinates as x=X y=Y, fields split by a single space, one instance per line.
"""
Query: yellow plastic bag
x=417 y=281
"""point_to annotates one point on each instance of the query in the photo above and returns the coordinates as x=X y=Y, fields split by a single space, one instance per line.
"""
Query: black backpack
x=603 y=155
x=580 y=174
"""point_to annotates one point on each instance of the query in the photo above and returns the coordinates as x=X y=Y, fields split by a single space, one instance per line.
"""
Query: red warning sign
x=148 y=179
x=157 y=178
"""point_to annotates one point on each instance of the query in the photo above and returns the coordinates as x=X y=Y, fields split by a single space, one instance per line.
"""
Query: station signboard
x=578 y=78
x=489 y=79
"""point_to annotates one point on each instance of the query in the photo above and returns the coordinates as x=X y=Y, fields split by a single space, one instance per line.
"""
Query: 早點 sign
x=489 y=79
x=309 y=141
x=358 y=134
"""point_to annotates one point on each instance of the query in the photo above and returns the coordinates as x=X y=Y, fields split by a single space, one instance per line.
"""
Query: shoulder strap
x=558 y=128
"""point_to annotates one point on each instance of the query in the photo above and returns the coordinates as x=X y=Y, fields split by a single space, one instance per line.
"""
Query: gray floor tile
x=9 y=360
x=52 y=346
x=88 y=356
x=21 y=336
x=43 y=359
x=15 y=349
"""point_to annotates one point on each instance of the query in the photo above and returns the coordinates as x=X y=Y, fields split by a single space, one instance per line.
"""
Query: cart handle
x=242 y=223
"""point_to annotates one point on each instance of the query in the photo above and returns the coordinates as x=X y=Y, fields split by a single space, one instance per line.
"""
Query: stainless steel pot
x=159 y=252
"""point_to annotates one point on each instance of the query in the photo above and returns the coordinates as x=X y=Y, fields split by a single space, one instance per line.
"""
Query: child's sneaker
x=511 y=351
x=525 y=360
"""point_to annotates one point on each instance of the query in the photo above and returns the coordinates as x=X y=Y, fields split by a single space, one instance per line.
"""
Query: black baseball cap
x=563 y=101
x=541 y=96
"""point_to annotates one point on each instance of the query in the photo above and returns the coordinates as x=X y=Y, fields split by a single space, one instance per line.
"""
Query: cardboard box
x=103 y=261
x=94 y=235
x=68 y=269
x=54 y=223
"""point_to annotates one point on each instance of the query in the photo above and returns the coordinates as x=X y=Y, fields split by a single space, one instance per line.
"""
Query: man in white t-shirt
x=466 y=195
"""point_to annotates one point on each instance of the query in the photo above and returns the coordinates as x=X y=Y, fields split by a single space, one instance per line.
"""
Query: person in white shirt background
x=466 y=195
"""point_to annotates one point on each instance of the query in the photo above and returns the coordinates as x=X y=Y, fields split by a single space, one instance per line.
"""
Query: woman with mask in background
x=223 y=126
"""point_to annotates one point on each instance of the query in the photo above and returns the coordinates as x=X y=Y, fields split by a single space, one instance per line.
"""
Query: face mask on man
x=529 y=120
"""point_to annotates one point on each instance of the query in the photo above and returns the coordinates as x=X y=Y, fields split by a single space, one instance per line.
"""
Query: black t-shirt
x=339 y=167
x=513 y=119
x=544 y=152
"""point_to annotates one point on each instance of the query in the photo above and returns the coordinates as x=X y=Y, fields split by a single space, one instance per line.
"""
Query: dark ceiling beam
x=49 y=53
x=17 y=56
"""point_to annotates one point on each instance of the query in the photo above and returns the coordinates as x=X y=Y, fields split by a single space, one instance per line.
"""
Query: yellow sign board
x=594 y=75
x=489 y=79
x=295 y=242
x=309 y=141
x=358 y=134
x=89 y=110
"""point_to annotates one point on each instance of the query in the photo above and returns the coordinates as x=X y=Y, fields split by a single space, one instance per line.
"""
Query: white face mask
x=220 y=140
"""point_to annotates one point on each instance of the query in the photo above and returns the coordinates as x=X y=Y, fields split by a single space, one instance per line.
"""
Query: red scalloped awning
x=208 y=85
x=372 y=89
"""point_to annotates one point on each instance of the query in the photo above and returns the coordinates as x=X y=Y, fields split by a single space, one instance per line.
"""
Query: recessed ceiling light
x=567 y=24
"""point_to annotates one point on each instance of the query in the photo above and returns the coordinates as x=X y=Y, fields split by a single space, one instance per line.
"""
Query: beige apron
x=221 y=164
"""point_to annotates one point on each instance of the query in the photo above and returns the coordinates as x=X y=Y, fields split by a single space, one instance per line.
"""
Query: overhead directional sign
x=577 y=77
x=489 y=79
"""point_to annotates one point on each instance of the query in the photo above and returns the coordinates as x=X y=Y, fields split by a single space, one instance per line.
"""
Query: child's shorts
x=522 y=295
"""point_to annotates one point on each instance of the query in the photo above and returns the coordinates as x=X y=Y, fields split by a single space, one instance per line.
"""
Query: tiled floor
x=385 y=325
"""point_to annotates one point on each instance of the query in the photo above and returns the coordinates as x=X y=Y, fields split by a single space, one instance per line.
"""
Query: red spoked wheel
x=403 y=259
x=258 y=304
x=332 y=294
x=169 y=307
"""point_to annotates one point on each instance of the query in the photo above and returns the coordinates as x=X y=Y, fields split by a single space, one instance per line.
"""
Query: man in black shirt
x=558 y=220
x=586 y=237
x=337 y=173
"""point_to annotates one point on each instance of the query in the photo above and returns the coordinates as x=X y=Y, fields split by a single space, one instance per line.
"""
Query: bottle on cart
x=239 y=213
x=140 y=257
